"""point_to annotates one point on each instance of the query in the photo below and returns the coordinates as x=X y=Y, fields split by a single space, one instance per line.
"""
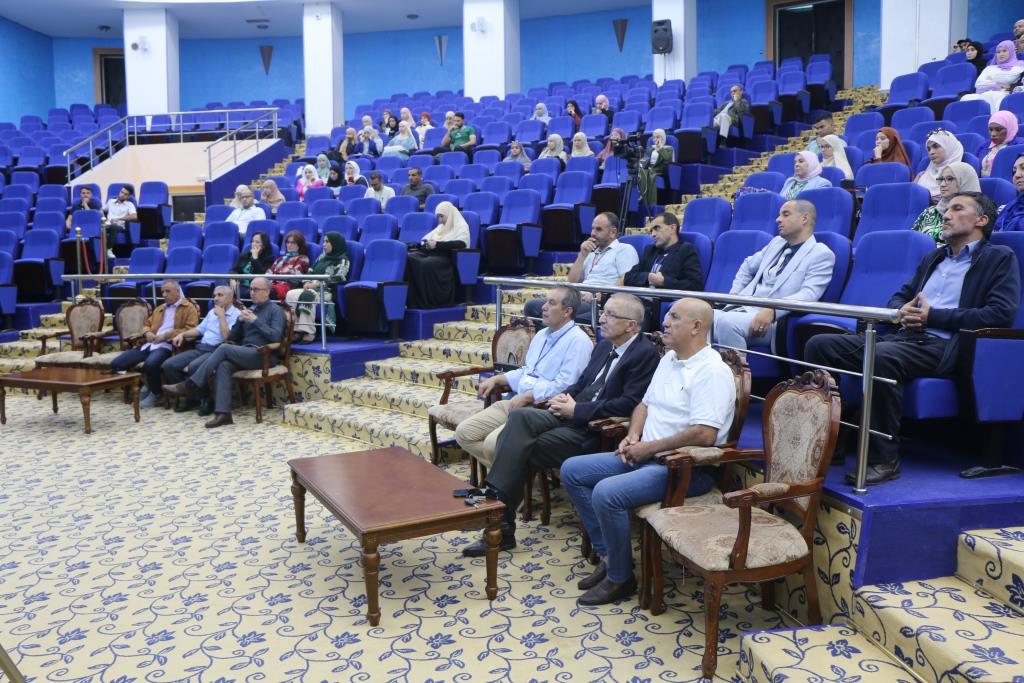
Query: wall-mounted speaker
x=661 y=36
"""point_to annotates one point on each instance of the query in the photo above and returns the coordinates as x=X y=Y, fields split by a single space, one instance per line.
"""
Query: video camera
x=631 y=149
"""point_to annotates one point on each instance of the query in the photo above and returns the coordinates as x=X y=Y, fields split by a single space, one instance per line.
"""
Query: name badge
x=527 y=383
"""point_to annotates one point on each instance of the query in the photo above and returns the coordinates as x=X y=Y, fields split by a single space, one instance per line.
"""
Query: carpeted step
x=398 y=397
x=9 y=365
x=418 y=371
x=441 y=351
x=520 y=296
x=51 y=320
x=943 y=629
x=22 y=348
x=993 y=559
x=464 y=330
x=816 y=653
x=486 y=313
x=37 y=332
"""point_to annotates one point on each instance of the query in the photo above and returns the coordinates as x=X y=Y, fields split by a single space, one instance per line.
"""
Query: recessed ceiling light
x=412 y=16
x=103 y=27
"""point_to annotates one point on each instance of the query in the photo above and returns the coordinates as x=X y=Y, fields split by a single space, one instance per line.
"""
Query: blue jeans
x=604 y=490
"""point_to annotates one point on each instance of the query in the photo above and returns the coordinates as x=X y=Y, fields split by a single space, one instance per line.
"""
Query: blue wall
x=226 y=70
x=26 y=79
x=985 y=17
x=569 y=48
x=73 y=69
x=729 y=32
x=867 y=42
x=382 y=63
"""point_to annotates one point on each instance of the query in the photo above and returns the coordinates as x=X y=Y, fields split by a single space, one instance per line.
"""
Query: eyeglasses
x=291 y=242
x=943 y=179
x=259 y=289
x=609 y=314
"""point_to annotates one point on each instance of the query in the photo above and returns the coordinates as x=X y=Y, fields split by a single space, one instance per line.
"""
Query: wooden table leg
x=3 y=405
x=53 y=399
x=135 y=397
x=86 y=397
x=371 y=564
x=492 y=537
x=299 y=498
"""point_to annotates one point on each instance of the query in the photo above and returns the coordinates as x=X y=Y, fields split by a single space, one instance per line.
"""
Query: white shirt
x=242 y=217
x=383 y=196
x=606 y=266
x=554 y=361
x=684 y=393
x=118 y=211
x=166 y=325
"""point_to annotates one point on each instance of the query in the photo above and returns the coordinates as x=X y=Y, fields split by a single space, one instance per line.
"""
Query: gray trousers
x=732 y=328
x=176 y=367
x=220 y=365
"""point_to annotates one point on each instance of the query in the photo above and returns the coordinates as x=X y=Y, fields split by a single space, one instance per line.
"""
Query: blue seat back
x=953 y=80
x=184 y=260
x=549 y=166
x=512 y=170
x=430 y=205
x=454 y=160
x=8 y=242
x=498 y=185
x=704 y=248
x=540 y=183
x=1002 y=166
x=146 y=260
x=771 y=181
x=40 y=244
x=890 y=206
x=782 y=163
x=884 y=261
x=730 y=249
x=315 y=194
x=529 y=131
x=345 y=225
x=153 y=193
x=594 y=125
x=459 y=188
x=912 y=86
x=488 y=158
x=708 y=216
x=415 y=225
x=220 y=232
x=271 y=227
x=361 y=208
x=840 y=246
x=757 y=211
x=49 y=220
x=184 y=235
x=217 y=212
x=961 y=112
x=382 y=226
x=88 y=220
x=400 y=206
x=521 y=206
x=286 y=211
x=885 y=172
x=573 y=187
x=834 y=208
x=999 y=190
x=309 y=228
x=588 y=165
x=858 y=123
x=437 y=174
x=219 y=258
x=485 y=204
x=1014 y=102
x=384 y=261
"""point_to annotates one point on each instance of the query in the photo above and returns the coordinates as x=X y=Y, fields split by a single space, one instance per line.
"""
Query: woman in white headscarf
x=580 y=146
x=659 y=156
x=943 y=149
x=353 y=175
x=996 y=80
x=430 y=270
x=236 y=201
x=540 y=113
x=307 y=179
x=369 y=143
x=953 y=178
x=518 y=154
x=806 y=176
x=555 y=148
x=402 y=145
x=833 y=153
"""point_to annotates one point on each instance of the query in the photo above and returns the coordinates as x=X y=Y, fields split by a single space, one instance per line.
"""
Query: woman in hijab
x=449 y=120
x=307 y=178
x=555 y=148
x=580 y=147
x=334 y=178
x=366 y=122
x=974 y=55
x=323 y=167
x=389 y=128
x=540 y=113
x=516 y=153
x=271 y=195
x=943 y=149
x=953 y=178
x=1012 y=215
x=353 y=175
x=334 y=263
x=572 y=108
x=833 y=153
x=346 y=147
x=889 y=148
x=236 y=201
x=430 y=270
x=402 y=145
x=996 y=79
x=609 y=145
x=806 y=176
x=1002 y=131
x=659 y=156
x=370 y=143
x=255 y=261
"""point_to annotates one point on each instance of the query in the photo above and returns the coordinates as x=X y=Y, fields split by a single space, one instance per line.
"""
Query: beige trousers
x=478 y=434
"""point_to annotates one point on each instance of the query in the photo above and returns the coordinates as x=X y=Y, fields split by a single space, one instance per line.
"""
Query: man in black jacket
x=967 y=284
x=667 y=264
x=614 y=381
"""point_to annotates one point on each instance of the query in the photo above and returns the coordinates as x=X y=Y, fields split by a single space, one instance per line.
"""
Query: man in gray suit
x=792 y=266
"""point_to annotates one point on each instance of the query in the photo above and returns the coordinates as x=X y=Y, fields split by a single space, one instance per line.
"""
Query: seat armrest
x=604 y=422
x=52 y=335
x=448 y=377
x=680 y=464
x=771 y=492
x=994 y=333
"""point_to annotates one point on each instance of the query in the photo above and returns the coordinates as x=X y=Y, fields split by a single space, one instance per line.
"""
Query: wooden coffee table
x=82 y=381
x=390 y=494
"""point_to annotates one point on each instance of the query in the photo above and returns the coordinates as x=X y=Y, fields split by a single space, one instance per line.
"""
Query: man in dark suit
x=612 y=384
x=731 y=112
x=667 y=264
x=966 y=285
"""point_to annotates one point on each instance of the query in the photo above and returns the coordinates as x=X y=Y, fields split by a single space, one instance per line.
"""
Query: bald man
x=690 y=402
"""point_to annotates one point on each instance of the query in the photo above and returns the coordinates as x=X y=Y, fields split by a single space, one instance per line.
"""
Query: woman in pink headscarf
x=806 y=176
x=996 y=79
x=1002 y=132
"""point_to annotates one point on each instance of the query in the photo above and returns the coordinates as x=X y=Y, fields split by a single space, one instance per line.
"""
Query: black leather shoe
x=595 y=577
x=479 y=549
x=608 y=591
x=878 y=473
x=219 y=420
x=186 y=405
x=179 y=390
x=205 y=408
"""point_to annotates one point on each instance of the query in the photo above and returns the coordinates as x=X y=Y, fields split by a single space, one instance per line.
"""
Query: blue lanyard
x=545 y=350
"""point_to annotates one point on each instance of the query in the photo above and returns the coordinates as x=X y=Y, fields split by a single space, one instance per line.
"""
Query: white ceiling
x=227 y=18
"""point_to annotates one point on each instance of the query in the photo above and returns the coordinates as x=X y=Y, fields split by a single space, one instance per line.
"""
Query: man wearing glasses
x=260 y=325
x=611 y=385
x=247 y=212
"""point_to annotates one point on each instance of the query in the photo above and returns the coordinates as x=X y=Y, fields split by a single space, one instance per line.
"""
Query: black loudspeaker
x=661 y=37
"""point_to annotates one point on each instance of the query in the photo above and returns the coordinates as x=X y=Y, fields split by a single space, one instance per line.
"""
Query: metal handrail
x=870 y=315
x=232 y=135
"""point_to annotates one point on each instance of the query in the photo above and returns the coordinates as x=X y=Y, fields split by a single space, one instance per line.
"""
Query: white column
x=323 y=66
x=490 y=44
x=151 y=61
x=682 y=61
x=918 y=31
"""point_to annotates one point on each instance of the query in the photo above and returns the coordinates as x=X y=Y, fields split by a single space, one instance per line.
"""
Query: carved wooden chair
x=263 y=379
x=508 y=351
x=745 y=539
x=129 y=326
x=83 y=319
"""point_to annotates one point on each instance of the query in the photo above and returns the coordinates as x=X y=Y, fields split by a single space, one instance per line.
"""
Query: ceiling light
x=412 y=16
x=103 y=27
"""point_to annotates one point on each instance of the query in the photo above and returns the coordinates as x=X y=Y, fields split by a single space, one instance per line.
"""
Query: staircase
x=966 y=627
x=19 y=355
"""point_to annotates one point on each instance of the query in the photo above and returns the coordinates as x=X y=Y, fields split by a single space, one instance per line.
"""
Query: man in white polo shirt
x=603 y=260
x=246 y=213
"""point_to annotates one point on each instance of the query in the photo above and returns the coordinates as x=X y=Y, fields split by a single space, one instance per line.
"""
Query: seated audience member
x=236 y=199
x=346 y=147
x=666 y=264
x=823 y=125
x=261 y=324
x=378 y=190
x=430 y=270
x=247 y=212
x=611 y=385
x=889 y=148
x=555 y=148
x=370 y=143
x=943 y=149
x=85 y=202
x=554 y=361
x=118 y=211
x=603 y=106
x=323 y=167
x=353 y=175
x=974 y=54
x=416 y=187
x=967 y=284
x=334 y=180
x=540 y=113
x=334 y=263
x=366 y=122
x=516 y=153
x=175 y=315
x=294 y=261
x=425 y=125
x=402 y=144
x=270 y=194
x=690 y=401
x=806 y=175
x=572 y=109
x=449 y=120
x=1018 y=29
x=307 y=179
x=730 y=112
x=580 y=148
x=603 y=260
x=211 y=333
x=654 y=165
x=954 y=48
x=405 y=115
x=384 y=118
x=389 y=128
x=1012 y=215
x=256 y=260
x=1002 y=132
x=615 y=136
x=954 y=179
x=995 y=81
x=792 y=266
x=459 y=138
x=833 y=153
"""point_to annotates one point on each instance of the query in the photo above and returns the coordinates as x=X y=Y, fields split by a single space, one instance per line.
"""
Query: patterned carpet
x=162 y=551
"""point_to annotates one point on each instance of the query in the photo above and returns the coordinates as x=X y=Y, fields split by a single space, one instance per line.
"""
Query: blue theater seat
x=757 y=211
x=309 y=228
x=474 y=172
x=541 y=183
x=363 y=207
x=345 y=225
x=782 y=163
x=45 y=220
x=514 y=241
x=566 y=219
x=381 y=226
x=453 y=160
x=430 y=205
x=708 y=216
x=413 y=226
x=286 y=211
x=704 y=248
x=730 y=249
x=39 y=269
x=884 y=172
x=184 y=235
x=950 y=84
x=905 y=91
x=376 y=301
x=834 y=209
x=890 y=206
x=766 y=180
x=488 y=158
x=220 y=232
x=142 y=260
x=218 y=258
x=999 y=190
x=513 y=170
x=217 y=212
x=399 y=206
x=484 y=204
x=459 y=188
x=315 y=194
x=8 y=288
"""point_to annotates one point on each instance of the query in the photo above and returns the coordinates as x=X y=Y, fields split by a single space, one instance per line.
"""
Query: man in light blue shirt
x=211 y=332
x=557 y=356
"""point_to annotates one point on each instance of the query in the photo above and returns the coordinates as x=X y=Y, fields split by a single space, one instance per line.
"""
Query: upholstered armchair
x=82 y=319
x=129 y=325
x=745 y=538
x=263 y=379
